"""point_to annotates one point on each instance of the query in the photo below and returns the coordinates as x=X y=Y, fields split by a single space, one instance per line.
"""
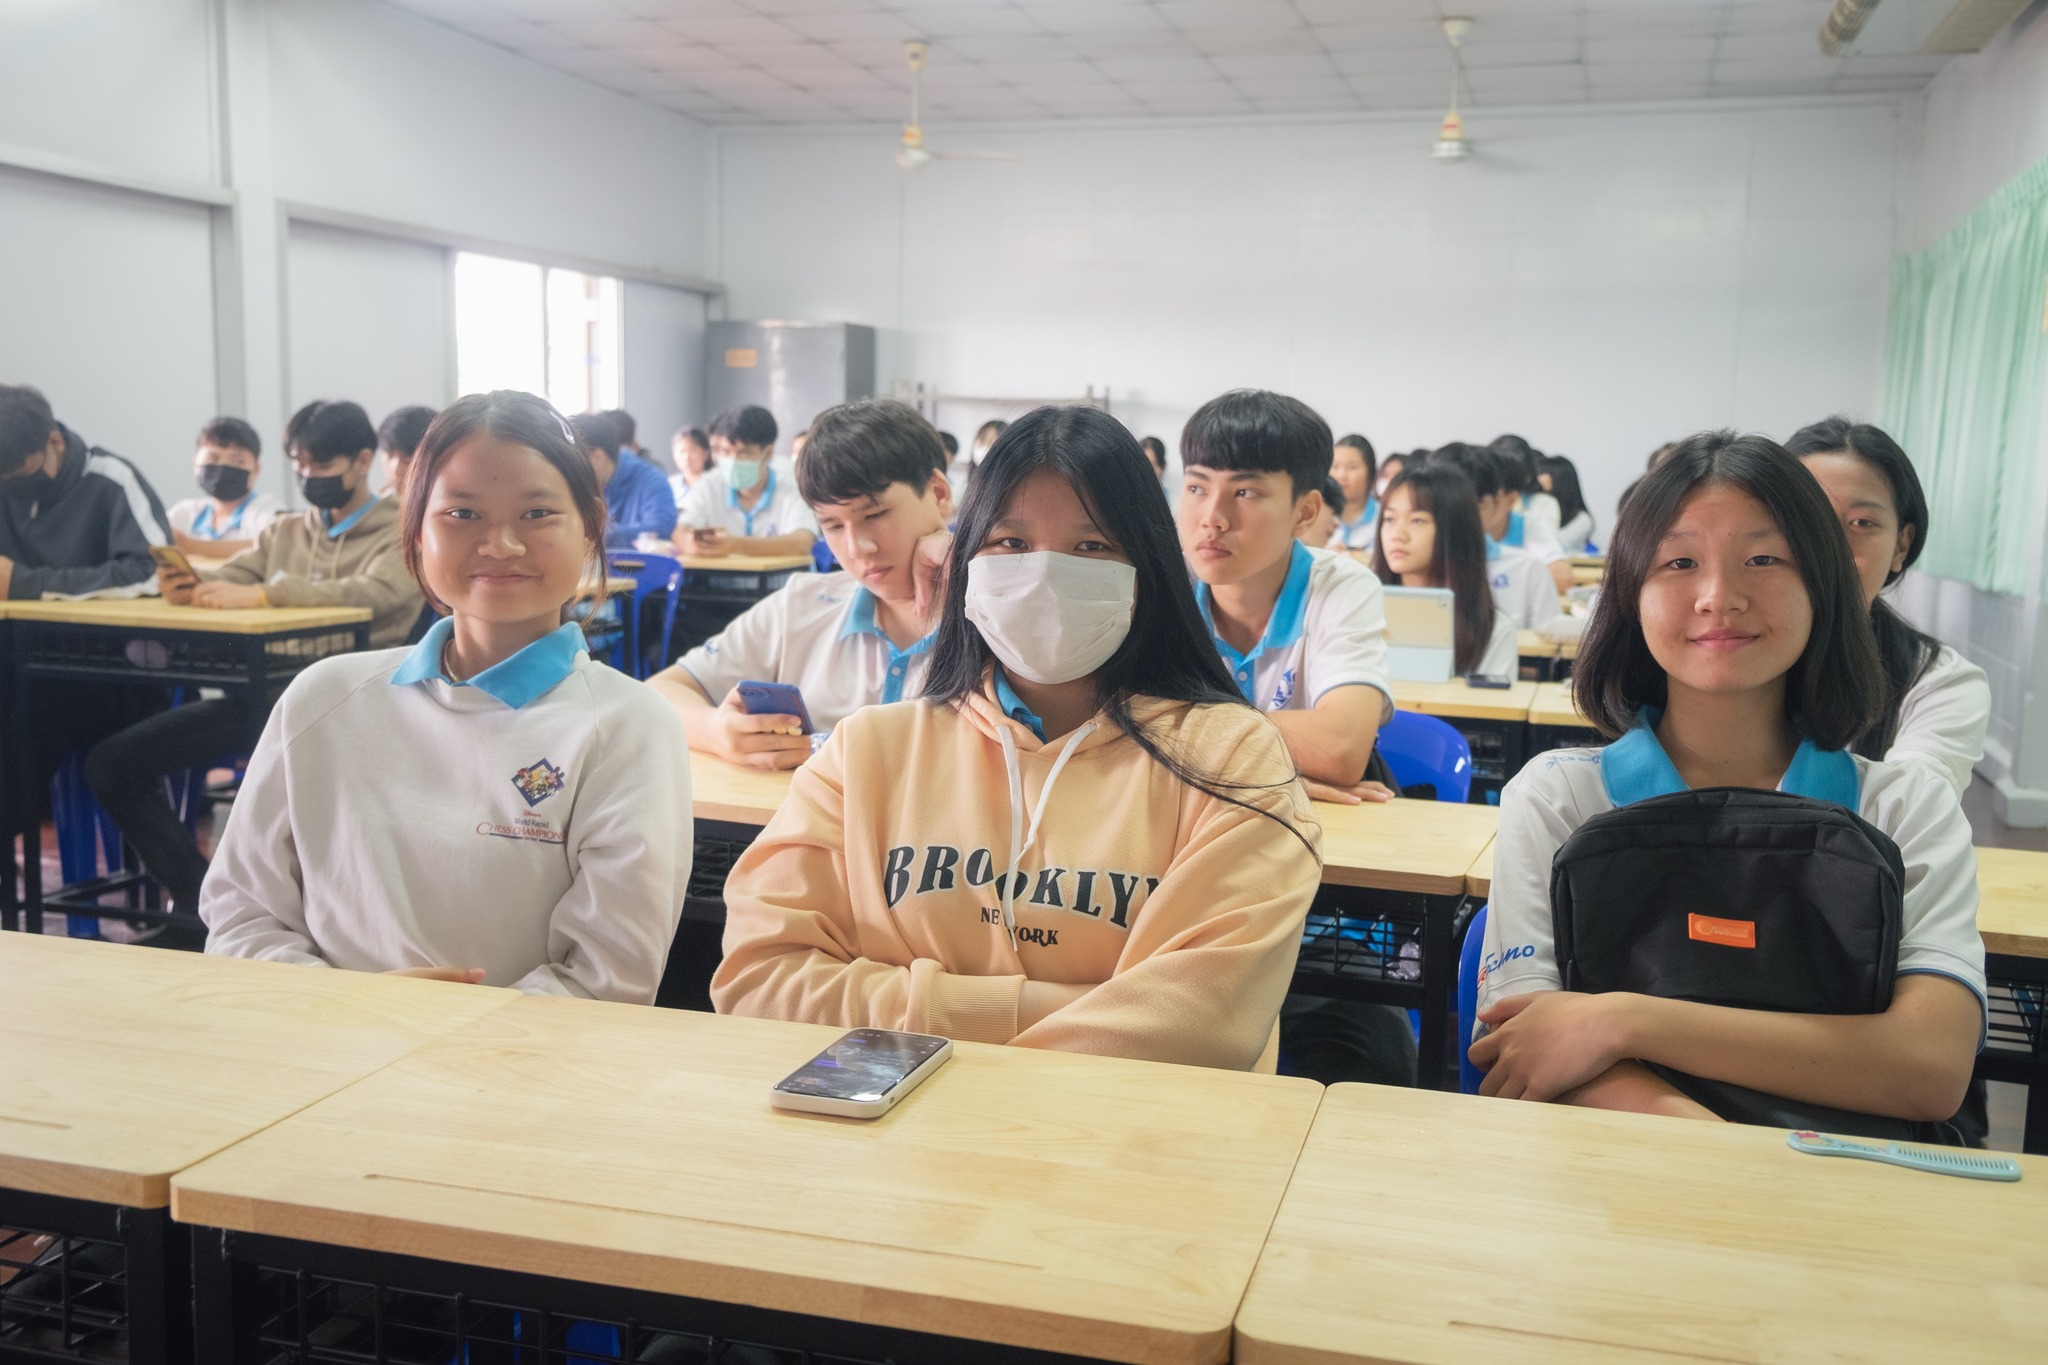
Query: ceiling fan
x=1451 y=142
x=912 y=154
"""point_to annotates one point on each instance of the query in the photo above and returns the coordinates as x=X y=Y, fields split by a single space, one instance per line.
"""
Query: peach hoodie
x=870 y=899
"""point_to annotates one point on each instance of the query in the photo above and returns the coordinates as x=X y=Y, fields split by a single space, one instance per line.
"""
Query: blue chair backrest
x=1423 y=750
x=822 y=558
x=1468 y=1000
x=650 y=574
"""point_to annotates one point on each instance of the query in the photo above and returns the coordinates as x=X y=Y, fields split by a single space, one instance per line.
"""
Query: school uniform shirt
x=870 y=900
x=679 y=489
x=818 y=632
x=638 y=500
x=196 y=518
x=533 y=821
x=1503 y=656
x=1360 y=534
x=1522 y=587
x=1328 y=630
x=780 y=511
x=1539 y=519
x=89 y=534
x=1576 y=534
x=1559 y=791
x=1942 y=719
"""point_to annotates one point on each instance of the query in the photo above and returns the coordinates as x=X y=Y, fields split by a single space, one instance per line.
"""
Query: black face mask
x=327 y=491
x=28 y=487
x=225 y=482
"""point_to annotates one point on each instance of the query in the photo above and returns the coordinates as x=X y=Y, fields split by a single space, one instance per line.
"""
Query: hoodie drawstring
x=1021 y=839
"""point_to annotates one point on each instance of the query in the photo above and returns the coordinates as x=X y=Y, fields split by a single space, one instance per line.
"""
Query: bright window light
x=548 y=331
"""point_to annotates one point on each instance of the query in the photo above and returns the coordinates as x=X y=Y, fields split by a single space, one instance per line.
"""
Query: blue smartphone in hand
x=774 y=699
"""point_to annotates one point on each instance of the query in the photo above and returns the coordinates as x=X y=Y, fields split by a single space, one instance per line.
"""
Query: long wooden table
x=147 y=642
x=608 y=1161
x=121 y=1066
x=2012 y=916
x=1423 y=1229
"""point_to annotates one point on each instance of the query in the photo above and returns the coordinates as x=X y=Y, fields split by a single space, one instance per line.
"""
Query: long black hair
x=1168 y=653
x=1564 y=486
x=1458 y=559
x=1834 y=689
x=1905 y=653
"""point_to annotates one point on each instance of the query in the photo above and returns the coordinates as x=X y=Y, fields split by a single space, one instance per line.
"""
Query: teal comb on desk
x=1939 y=1160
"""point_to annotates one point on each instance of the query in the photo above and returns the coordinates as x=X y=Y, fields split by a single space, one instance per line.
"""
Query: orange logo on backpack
x=1729 y=933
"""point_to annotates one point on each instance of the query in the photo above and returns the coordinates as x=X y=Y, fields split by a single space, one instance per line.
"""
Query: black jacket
x=90 y=534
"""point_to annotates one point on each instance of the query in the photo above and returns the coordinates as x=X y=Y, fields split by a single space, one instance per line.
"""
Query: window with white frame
x=543 y=329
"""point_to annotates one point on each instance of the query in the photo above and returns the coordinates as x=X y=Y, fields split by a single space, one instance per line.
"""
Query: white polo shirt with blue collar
x=781 y=510
x=532 y=820
x=818 y=632
x=1328 y=630
x=1522 y=587
x=1361 y=532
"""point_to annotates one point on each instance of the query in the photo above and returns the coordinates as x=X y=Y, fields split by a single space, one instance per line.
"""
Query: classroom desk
x=1395 y=876
x=2012 y=917
x=122 y=1066
x=1549 y=657
x=1494 y=721
x=147 y=642
x=1423 y=1229
x=1555 y=721
x=1479 y=879
x=614 y=1163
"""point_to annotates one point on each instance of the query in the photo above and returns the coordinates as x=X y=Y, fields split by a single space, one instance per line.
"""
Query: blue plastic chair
x=822 y=558
x=85 y=834
x=1424 y=751
x=650 y=574
x=1468 y=1000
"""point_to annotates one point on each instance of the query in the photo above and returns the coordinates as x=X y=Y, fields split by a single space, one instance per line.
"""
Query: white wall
x=663 y=378
x=142 y=315
x=128 y=362
x=1984 y=120
x=1598 y=281
x=369 y=320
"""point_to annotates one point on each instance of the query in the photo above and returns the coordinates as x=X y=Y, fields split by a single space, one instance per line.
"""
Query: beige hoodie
x=298 y=564
x=871 y=898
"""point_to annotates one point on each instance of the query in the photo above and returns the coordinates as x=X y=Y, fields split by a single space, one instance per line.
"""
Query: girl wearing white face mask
x=1081 y=838
x=744 y=504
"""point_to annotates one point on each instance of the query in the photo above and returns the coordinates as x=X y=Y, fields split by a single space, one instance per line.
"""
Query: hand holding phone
x=863 y=1074
x=769 y=740
x=175 y=577
x=774 y=699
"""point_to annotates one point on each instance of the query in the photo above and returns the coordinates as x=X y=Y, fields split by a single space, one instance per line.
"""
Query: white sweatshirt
x=533 y=821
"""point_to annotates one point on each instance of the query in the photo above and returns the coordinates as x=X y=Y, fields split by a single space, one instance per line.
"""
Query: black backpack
x=1739 y=897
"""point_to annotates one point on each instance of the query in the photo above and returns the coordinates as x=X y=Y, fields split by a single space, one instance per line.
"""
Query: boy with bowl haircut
x=874 y=475
x=1302 y=631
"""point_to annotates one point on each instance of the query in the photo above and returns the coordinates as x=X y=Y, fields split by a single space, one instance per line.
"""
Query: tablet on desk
x=1422 y=634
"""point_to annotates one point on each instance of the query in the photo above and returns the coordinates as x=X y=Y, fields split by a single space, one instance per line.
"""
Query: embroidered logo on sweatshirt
x=539 y=782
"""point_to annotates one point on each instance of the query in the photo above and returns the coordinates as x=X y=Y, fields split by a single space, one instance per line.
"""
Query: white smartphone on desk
x=863 y=1074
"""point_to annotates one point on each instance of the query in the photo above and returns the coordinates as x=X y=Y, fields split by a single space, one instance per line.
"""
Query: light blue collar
x=1014 y=707
x=202 y=525
x=860 y=620
x=1371 y=513
x=1514 y=535
x=340 y=527
x=1283 y=627
x=1492 y=549
x=531 y=673
x=1635 y=768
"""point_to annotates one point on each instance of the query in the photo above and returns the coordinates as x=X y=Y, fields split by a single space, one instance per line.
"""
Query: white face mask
x=1051 y=617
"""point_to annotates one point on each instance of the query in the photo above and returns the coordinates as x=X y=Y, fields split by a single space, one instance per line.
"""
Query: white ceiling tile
x=871 y=54
x=1480 y=57
x=969 y=21
x=1497 y=84
x=1344 y=11
x=1103 y=46
x=1775 y=16
x=1276 y=66
x=782 y=9
x=1231 y=14
x=1379 y=35
x=1688 y=49
x=558 y=9
x=1260 y=89
x=1085 y=102
x=1096 y=16
x=1067 y=73
x=785 y=56
x=754 y=28
x=841 y=80
x=839 y=28
x=1765 y=46
x=1894 y=66
x=680 y=9
x=1021 y=47
x=1154 y=69
x=1274 y=39
x=681 y=57
x=1815 y=68
x=956 y=75
x=1635 y=74
x=521 y=35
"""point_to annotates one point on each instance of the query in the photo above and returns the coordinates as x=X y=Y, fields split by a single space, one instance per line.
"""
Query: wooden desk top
x=1404 y=845
x=1479 y=881
x=1584 y=574
x=1428 y=1227
x=2012 y=906
x=1048 y=1200
x=156 y=614
x=745 y=563
x=1553 y=705
x=1456 y=699
x=1531 y=645
x=121 y=1066
x=725 y=791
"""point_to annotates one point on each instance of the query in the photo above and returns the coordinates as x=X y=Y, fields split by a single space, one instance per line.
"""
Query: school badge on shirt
x=539 y=782
x=1283 y=692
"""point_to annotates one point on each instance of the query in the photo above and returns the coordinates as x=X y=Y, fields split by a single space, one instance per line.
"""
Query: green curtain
x=1963 y=379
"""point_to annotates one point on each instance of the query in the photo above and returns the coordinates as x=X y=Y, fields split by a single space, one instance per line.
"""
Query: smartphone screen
x=863 y=1066
x=170 y=557
x=774 y=699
